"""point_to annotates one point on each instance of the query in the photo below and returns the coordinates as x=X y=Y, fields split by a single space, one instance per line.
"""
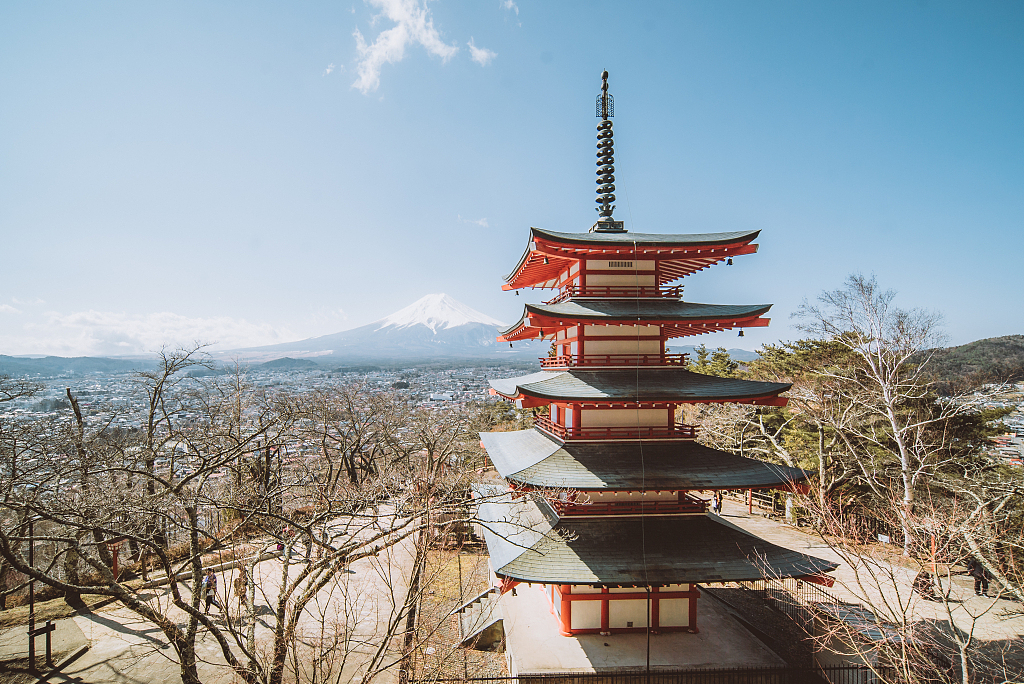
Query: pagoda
x=600 y=507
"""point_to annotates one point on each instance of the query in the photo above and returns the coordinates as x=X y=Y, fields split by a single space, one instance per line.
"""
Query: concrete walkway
x=885 y=587
x=534 y=645
x=350 y=616
x=66 y=639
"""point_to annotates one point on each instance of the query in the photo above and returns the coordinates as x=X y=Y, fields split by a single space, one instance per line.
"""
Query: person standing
x=976 y=570
x=241 y=585
x=210 y=590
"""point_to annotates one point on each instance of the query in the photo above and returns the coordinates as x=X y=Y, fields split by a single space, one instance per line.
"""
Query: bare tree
x=901 y=431
x=914 y=616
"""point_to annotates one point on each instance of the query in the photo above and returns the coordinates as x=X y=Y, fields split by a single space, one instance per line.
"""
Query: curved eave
x=639 y=385
x=550 y=253
x=542 y=321
x=675 y=549
x=530 y=458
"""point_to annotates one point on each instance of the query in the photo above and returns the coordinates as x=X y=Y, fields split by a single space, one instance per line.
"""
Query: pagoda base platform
x=533 y=645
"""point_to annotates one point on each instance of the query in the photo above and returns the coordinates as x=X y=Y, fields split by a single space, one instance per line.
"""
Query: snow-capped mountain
x=437 y=311
x=434 y=327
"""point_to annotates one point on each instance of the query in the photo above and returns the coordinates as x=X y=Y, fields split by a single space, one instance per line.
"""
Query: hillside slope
x=996 y=359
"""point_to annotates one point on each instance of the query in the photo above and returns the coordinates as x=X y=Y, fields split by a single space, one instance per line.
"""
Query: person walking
x=976 y=570
x=210 y=590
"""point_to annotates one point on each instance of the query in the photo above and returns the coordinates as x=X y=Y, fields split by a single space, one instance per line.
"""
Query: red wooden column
x=566 y=611
x=692 y=628
x=605 y=620
x=655 y=611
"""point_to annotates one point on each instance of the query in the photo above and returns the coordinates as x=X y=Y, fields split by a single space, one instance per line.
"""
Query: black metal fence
x=793 y=597
x=760 y=675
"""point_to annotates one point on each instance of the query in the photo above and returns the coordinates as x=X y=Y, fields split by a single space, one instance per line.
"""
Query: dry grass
x=438 y=630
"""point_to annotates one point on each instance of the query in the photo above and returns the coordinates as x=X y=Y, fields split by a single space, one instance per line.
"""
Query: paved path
x=125 y=649
x=888 y=587
x=66 y=639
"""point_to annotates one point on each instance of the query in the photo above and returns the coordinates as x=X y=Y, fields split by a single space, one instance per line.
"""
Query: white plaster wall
x=674 y=612
x=624 y=417
x=632 y=330
x=585 y=615
x=676 y=587
x=624 y=280
x=640 y=346
x=621 y=612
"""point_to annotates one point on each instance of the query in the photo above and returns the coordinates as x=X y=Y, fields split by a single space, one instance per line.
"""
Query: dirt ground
x=438 y=633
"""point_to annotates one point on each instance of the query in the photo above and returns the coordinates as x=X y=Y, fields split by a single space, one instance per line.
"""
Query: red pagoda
x=600 y=507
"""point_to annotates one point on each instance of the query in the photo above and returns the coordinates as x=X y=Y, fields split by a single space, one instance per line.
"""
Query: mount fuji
x=433 y=327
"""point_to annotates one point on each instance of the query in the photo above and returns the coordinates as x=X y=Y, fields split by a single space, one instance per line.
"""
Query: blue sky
x=249 y=173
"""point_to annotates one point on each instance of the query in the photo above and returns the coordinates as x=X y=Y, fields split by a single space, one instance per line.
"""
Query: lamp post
x=32 y=631
x=31 y=597
x=750 y=492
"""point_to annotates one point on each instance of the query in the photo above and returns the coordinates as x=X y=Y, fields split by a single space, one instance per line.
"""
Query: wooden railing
x=633 y=507
x=575 y=360
x=624 y=291
x=677 y=431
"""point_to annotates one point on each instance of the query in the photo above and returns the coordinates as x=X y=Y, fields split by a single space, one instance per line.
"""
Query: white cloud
x=481 y=56
x=105 y=333
x=482 y=222
x=510 y=5
x=413 y=25
x=7 y=308
x=35 y=301
x=330 y=68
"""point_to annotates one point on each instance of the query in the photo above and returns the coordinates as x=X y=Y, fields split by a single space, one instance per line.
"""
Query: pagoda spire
x=606 y=163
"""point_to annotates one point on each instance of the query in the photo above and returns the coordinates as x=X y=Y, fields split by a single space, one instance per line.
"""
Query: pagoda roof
x=529 y=457
x=679 y=319
x=528 y=543
x=647 y=239
x=640 y=384
x=550 y=252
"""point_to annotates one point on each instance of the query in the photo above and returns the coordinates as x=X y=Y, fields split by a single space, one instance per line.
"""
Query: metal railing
x=836 y=674
x=677 y=431
x=577 y=360
x=624 y=291
x=793 y=597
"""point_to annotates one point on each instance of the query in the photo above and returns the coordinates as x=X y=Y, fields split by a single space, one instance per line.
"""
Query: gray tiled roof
x=527 y=544
x=635 y=384
x=649 y=239
x=530 y=457
x=641 y=309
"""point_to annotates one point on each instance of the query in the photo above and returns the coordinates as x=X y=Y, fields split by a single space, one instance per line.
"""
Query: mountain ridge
x=434 y=327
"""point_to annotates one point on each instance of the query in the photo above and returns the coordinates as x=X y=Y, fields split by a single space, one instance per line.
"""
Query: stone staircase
x=480 y=621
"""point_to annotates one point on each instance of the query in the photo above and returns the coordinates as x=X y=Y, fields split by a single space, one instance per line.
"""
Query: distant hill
x=288 y=363
x=996 y=359
x=59 y=365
